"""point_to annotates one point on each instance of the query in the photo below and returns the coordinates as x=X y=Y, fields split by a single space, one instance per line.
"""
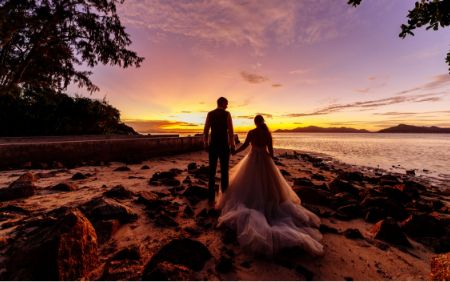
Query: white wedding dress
x=264 y=211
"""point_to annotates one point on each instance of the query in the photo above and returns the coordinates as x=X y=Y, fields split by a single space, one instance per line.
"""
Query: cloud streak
x=371 y=104
x=437 y=81
x=253 y=77
x=242 y=23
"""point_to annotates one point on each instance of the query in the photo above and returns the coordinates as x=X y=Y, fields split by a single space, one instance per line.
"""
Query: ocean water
x=427 y=154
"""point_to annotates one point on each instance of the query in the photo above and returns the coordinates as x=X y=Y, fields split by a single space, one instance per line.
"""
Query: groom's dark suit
x=219 y=120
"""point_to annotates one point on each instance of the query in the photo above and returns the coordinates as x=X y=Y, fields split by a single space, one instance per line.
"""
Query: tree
x=42 y=41
x=433 y=14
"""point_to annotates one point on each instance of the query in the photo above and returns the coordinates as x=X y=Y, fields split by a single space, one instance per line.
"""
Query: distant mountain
x=323 y=130
x=404 y=128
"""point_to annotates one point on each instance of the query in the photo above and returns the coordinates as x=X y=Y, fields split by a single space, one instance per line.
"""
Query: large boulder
x=22 y=187
x=106 y=216
x=422 y=225
x=64 y=248
x=183 y=252
x=389 y=231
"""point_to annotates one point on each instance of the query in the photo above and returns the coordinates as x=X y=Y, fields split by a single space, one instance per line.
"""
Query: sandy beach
x=137 y=209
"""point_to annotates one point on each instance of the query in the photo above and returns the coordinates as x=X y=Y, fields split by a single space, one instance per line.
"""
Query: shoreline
x=160 y=210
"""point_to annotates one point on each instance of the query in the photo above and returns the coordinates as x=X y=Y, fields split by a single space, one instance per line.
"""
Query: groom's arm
x=206 y=132
x=230 y=132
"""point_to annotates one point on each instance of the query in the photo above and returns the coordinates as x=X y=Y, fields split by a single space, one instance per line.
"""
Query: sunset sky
x=299 y=63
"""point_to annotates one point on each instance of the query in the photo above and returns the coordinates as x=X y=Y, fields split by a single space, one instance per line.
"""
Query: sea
x=428 y=155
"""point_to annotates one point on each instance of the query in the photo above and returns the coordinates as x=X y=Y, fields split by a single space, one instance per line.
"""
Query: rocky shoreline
x=150 y=221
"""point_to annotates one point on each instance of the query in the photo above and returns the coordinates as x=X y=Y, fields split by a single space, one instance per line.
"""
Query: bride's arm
x=270 y=146
x=245 y=145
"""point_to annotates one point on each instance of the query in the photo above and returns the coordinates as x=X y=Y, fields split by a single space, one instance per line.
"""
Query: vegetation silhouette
x=433 y=14
x=42 y=43
x=46 y=112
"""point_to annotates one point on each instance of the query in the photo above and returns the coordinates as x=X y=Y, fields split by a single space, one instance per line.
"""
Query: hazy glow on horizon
x=299 y=63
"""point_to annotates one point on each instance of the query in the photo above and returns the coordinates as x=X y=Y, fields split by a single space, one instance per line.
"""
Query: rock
x=66 y=249
x=411 y=172
x=328 y=229
x=338 y=185
x=145 y=167
x=196 y=193
x=440 y=268
x=352 y=176
x=385 y=205
x=313 y=195
x=188 y=212
x=105 y=229
x=192 y=167
x=414 y=186
x=105 y=209
x=389 y=180
x=119 y=192
x=187 y=180
x=14 y=209
x=374 y=214
x=166 y=271
x=303 y=181
x=122 y=270
x=185 y=252
x=193 y=230
x=225 y=264
x=129 y=253
x=23 y=187
x=122 y=168
x=79 y=176
x=389 y=231
x=395 y=193
x=166 y=178
x=285 y=172
x=351 y=211
x=165 y=220
x=64 y=186
x=422 y=225
x=150 y=199
x=342 y=199
x=353 y=233
x=317 y=176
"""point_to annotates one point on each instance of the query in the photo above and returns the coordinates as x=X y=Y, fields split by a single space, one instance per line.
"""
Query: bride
x=261 y=206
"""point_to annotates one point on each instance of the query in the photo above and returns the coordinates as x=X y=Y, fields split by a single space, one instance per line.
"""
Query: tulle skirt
x=264 y=210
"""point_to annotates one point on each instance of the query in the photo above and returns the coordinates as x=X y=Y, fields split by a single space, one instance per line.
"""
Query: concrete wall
x=75 y=151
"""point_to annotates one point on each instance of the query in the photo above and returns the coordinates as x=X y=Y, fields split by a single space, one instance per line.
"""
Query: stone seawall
x=13 y=154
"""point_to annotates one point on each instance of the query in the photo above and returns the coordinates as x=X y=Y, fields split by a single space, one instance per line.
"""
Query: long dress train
x=264 y=211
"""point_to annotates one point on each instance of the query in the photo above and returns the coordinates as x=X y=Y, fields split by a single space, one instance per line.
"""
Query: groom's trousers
x=221 y=153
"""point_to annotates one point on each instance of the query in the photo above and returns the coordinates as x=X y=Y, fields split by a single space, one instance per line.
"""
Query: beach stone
x=165 y=220
x=187 y=180
x=166 y=178
x=105 y=209
x=167 y=271
x=323 y=228
x=196 y=193
x=353 y=233
x=389 y=231
x=285 y=172
x=188 y=212
x=122 y=270
x=150 y=199
x=23 y=187
x=440 y=268
x=119 y=192
x=352 y=176
x=342 y=199
x=317 y=176
x=351 y=211
x=64 y=249
x=422 y=225
x=105 y=229
x=313 y=196
x=79 y=176
x=384 y=204
x=65 y=186
x=339 y=185
x=303 y=181
x=389 y=180
x=374 y=214
x=192 y=166
x=145 y=167
x=122 y=168
x=201 y=173
x=132 y=252
x=185 y=252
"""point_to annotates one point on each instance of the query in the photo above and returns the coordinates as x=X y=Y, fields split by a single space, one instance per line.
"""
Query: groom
x=222 y=140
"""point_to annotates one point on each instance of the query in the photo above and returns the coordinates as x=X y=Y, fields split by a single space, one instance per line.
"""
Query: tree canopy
x=43 y=41
x=433 y=14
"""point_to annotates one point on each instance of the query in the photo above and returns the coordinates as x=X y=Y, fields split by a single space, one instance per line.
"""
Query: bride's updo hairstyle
x=259 y=122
